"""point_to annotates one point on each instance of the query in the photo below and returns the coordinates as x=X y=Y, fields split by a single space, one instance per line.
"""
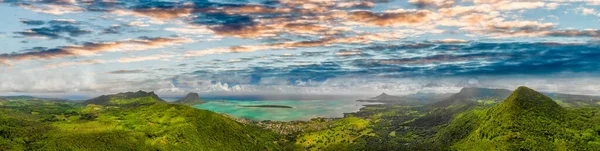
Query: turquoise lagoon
x=302 y=110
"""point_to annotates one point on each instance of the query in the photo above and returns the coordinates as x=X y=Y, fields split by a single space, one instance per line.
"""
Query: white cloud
x=53 y=9
x=144 y=58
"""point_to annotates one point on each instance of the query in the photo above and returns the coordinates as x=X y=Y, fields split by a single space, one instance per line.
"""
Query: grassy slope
x=155 y=126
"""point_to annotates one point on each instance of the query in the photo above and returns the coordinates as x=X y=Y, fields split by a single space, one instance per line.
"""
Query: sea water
x=302 y=109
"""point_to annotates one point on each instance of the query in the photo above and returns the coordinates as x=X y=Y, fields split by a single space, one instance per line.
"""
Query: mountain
x=411 y=99
x=126 y=99
x=386 y=97
x=190 y=99
x=525 y=101
x=473 y=95
x=526 y=120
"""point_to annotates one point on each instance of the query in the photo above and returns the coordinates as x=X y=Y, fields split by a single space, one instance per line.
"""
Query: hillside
x=151 y=126
x=126 y=99
x=190 y=99
x=526 y=120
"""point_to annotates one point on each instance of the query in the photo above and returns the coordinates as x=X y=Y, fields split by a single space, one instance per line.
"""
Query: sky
x=77 y=47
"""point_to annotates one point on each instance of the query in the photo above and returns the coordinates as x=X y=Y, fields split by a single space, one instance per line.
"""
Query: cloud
x=163 y=13
x=588 y=11
x=93 y=48
x=305 y=28
x=574 y=33
x=507 y=29
x=242 y=31
x=451 y=41
x=361 y=4
x=392 y=18
x=54 y=32
x=474 y=60
x=552 y=6
x=254 y=9
x=194 y=30
x=62 y=81
x=349 y=53
x=32 y=22
x=144 y=58
x=508 y=5
x=127 y=71
x=54 y=9
x=362 y=39
x=430 y=59
x=82 y=62
x=433 y=3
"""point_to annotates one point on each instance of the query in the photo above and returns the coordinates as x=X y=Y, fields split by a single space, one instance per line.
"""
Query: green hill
x=126 y=99
x=145 y=124
x=526 y=120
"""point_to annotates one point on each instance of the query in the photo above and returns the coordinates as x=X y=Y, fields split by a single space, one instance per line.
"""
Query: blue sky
x=298 y=46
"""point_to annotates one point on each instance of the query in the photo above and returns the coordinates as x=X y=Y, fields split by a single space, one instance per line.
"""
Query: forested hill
x=125 y=121
x=126 y=99
x=527 y=120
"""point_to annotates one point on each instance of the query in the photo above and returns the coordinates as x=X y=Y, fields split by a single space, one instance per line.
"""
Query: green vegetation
x=526 y=120
x=128 y=99
x=470 y=120
x=119 y=126
x=340 y=133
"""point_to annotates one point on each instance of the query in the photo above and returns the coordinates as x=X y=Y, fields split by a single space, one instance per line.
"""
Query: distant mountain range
x=412 y=99
x=472 y=95
x=479 y=95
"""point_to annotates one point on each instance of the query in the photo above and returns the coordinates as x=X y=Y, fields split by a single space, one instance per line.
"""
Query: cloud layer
x=308 y=46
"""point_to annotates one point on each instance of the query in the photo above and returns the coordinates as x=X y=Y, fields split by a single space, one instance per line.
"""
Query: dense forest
x=472 y=119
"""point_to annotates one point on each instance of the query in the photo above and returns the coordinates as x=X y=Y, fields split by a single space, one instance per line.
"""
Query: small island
x=267 y=106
